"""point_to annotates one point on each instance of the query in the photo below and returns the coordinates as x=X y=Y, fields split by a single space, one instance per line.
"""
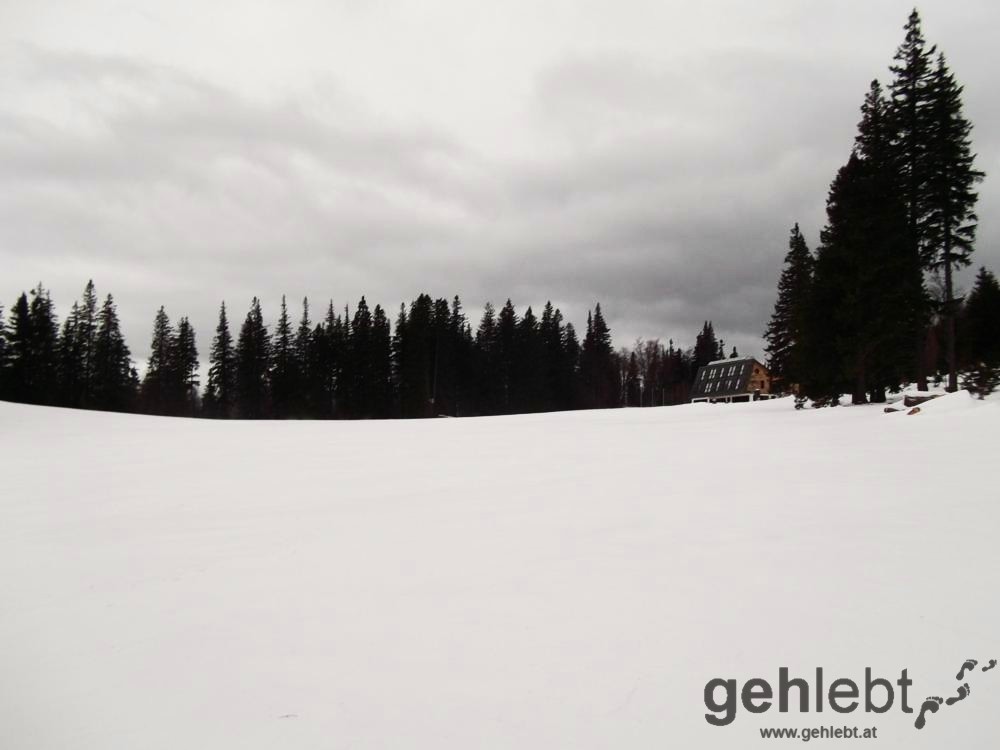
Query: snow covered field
x=545 y=581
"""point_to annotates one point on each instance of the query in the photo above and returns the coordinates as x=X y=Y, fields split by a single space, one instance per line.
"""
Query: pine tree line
x=858 y=315
x=430 y=362
x=85 y=365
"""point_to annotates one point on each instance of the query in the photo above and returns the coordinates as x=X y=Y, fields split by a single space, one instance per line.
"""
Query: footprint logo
x=933 y=703
x=963 y=692
x=930 y=706
x=968 y=666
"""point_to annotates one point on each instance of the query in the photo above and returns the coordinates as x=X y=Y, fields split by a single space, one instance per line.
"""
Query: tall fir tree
x=359 y=393
x=17 y=380
x=951 y=196
x=303 y=402
x=506 y=336
x=598 y=368
x=381 y=365
x=31 y=350
x=910 y=97
x=550 y=331
x=184 y=369
x=460 y=345
x=867 y=304
x=900 y=300
x=284 y=374
x=327 y=362
x=86 y=331
x=528 y=365
x=157 y=385
x=70 y=366
x=252 y=365
x=785 y=331
x=400 y=365
x=980 y=329
x=706 y=348
x=489 y=387
x=571 y=387
x=113 y=387
x=220 y=390
x=43 y=365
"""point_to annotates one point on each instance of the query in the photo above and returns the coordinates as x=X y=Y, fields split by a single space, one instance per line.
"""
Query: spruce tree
x=327 y=365
x=416 y=366
x=460 y=393
x=442 y=375
x=489 y=389
x=70 y=367
x=571 y=388
x=86 y=331
x=980 y=328
x=220 y=390
x=360 y=388
x=284 y=366
x=381 y=365
x=951 y=196
x=868 y=306
x=303 y=404
x=252 y=365
x=112 y=363
x=598 y=368
x=43 y=363
x=184 y=369
x=528 y=366
x=900 y=299
x=550 y=330
x=157 y=384
x=868 y=302
x=400 y=365
x=17 y=386
x=910 y=95
x=506 y=336
x=706 y=348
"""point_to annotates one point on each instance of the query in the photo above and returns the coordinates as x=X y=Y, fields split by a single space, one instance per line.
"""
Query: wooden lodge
x=729 y=380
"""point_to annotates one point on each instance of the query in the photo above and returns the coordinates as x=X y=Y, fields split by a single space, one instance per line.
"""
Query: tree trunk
x=922 y=362
x=950 y=319
x=860 y=394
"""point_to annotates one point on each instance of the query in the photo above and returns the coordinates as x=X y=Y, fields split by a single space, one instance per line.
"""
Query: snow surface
x=544 y=581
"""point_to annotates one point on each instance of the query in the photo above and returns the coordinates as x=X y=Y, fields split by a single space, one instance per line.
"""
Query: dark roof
x=725 y=377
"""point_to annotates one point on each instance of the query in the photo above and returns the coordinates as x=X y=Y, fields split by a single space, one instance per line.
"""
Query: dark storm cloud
x=663 y=189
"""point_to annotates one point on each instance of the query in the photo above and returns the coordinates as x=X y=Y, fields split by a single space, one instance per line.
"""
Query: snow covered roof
x=723 y=361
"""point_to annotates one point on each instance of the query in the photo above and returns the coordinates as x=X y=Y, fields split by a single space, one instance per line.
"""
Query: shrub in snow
x=982 y=379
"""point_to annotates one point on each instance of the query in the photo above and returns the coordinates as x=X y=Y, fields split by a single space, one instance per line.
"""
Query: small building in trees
x=729 y=380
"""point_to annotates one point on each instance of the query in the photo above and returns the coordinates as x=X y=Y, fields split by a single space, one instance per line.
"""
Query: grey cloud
x=678 y=216
x=663 y=189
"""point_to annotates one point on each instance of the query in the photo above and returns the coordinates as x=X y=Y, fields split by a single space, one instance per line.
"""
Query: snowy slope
x=544 y=581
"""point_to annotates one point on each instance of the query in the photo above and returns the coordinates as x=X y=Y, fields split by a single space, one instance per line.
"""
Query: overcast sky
x=650 y=155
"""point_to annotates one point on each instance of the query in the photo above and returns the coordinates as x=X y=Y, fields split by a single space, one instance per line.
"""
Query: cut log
x=917 y=400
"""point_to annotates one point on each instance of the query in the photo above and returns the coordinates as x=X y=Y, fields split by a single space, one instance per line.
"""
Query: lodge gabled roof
x=725 y=377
